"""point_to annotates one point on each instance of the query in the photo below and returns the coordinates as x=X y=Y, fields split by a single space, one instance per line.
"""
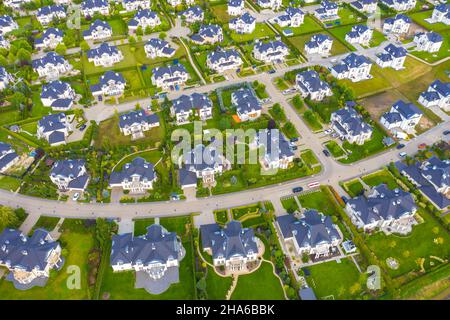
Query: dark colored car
x=326 y=152
x=294 y=139
x=344 y=199
x=82 y=127
x=446 y=132
x=401 y=145
x=271 y=71
x=297 y=189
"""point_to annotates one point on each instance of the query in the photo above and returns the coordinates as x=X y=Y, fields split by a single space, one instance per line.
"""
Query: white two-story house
x=58 y=95
x=402 y=115
x=50 y=38
x=428 y=41
x=7 y=24
x=105 y=55
x=223 y=60
x=398 y=25
x=70 y=175
x=54 y=128
x=243 y=24
x=183 y=108
x=144 y=19
x=98 y=30
x=110 y=84
x=135 y=123
x=292 y=17
x=310 y=85
x=319 y=44
x=392 y=57
x=274 y=51
x=170 y=76
x=51 y=66
x=48 y=14
x=354 y=67
x=137 y=176
x=360 y=34
x=437 y=94
x=350 y=126
x=247 y=105
x=155 y=48
x=90 y=8
x=235 y=7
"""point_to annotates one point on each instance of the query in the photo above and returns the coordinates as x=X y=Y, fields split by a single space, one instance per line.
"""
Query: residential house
x=232 y=246
x=7 y=24
x=15 y=4
x=399 y=24
x=319 y=44
x=247 y=104
x=402 y=115
x=70 y=175
x=175 y=3
x=235 y=7
x=4 y=43
x=154 y=256
x=354 y=67
x=193 y=14
x=48 y=14
x=110 y=84
x=58 y=95
x=428 y=41
x=183 y=107
x=223 y=60
x=5 y=78
x=105 y=55
x=90 y=8
x=208 y=34
x=292 y=17
x=51 y=66
x=155 y=48
x=310 y=85
x=274 y=51
x=431 y=177
x=54 y=128
x=392 y=57
x=328 y=11
x=144 y=18
x=205 y=162
x=187 y=179
x=437 y=94
x=98 y=30
x=29 y=259
x=170 y=76
x=243 y=24
x=441 y=13
x=366 y=6
x=134 y=5
x=382 y=208
x=349 y=125
x=277 y=153
x=136 y=176
x=400 y=5
x=8 y=157
x=135 y=123
x=50 y=38
x=360 y=34
x=269 y=4
x=312 y=234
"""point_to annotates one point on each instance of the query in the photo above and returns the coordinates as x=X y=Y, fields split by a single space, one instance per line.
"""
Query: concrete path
x=126 y=226
x=29 y=222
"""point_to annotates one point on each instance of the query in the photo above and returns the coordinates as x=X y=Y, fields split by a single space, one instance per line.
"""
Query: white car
x=402 y=154
x=328 y=131
x=76 y=196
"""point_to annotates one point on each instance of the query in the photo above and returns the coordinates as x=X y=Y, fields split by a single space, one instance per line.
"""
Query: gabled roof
x=354 y=60
x=395 y=51
x=97 y=24
x=52 y=122
x=48 y=10
x=104 y=48
x=310 y=81
x=232 y=240
x=275 y=144
x=245 y=100
x=437 y=171
x=138 y=167
x=352 y=121
x=159 y=72
x=92 y=4
x=48 y=32
x=226 y=55
x=68 y=168
x=443 y=88
x=202 y=158
x=50 y=58
x=273 y=45
x=246 y=18
x=6 y=21
x=407 y=110
x=54 y=89
x=317 y=40
x=195 y=11
x=185 y=103
x=136 y=117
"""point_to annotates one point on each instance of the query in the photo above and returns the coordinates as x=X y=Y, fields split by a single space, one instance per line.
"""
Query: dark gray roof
x=67 y=168
x=437 y=171
x=157 y=245
x=407 y=110
x=92 y=4
x=48 y=10
x=25 y=252
x=139 y=116
x=354 y=60
x=310 y=81
x=354 y=123
x=275 y=143
x=54 y=89
x=317 y=40
x=159 y=72
x=138 y=167
x=50 y=58
x=47 y=33
x=6 y=21
x=226 y=55
x=186 y=177
x=232 y=240
x=196 y=101
x=383 y=203
x=104 y=48
x=195 y=11
x=443 y=88
x=7 y=154
x=97 y=24
x=201 y=158
x=274 y=45
x=246 y=18
x=245 y=100
x=309 y=231
x=52 y=122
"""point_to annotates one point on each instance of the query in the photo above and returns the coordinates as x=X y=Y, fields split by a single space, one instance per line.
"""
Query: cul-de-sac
x=224 y=149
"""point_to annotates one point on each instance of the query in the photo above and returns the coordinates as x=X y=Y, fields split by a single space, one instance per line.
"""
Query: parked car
x=400 y=146
x=294 y=148
x=76 y=196
x=271 y=71
x=446 y=132
x=328 y=131
x=294 y=139
x=344 y=198
x=82 y=127
x=422 y=146
x=326 y=152
x=297 y=189
x=402 y=154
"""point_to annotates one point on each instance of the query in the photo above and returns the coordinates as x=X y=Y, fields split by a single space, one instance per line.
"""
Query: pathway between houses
x=29 y=223
x=55 y=234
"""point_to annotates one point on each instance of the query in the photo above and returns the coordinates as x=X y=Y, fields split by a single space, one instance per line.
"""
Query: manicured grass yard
x=47 y=223
x=221 y=216
x=379 y=177
x=443 y=52
x=353 y=187
x=335 y=149
x=132 y=79
x=239 y=212
x=128 y=61
x=312 y=120
x=339 y=281
x=427 y=239
x=259 y=285
x=217 y=286
x=289 y=204
x=309 y=158
x=309 y=26
x=317 y=200
x=369 y=87
x=340 y=32
x=78 y=245
x=119 y=27
x=377 y=38
x=299 y=42
x=372 y=146
x=419 y=18
x=9 y=183
x=262 y=30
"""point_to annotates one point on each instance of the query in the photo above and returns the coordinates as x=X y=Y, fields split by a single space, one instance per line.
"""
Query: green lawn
x=217 y=286
x=239 y=212
x=128 y=61
x=353 y=188
x=309 y=26
x=340 y=32
x=358 y=152
x=419 y=18
x=262 y=30
x=220 y=11
x=312 y=120
x=259 y=285
x=317 y=200
x=132 y=79
x=289 y=204
x=369 y=87
x=335 y=149
x=119 y=27
x=47 y=223
x=9 y=183
x=427 y=239
x=221 y=216
x=443 y=52
x=309 y=158
x=339 y=281
x=78 y=245
x=377 y=38
x=140 y=226
x=379 y=177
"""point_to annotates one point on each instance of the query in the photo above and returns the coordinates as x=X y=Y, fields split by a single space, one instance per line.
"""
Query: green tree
x=7 y=218
x=61 y=49
x=162 y=35
x=139 y=31
x=84 y=45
